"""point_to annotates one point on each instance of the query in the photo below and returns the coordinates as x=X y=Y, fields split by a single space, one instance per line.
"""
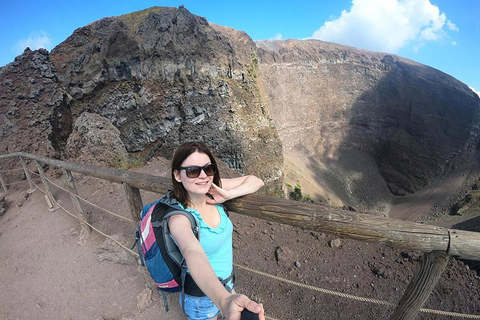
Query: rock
x=349 y=208
x=285 y=256
x=380 y=128
x=144 y=300
x=379 y=272
x=41 y=100
x=335 y=243
x=407 y=256
x=23 y=198
x=95 y=140
x=109 y=250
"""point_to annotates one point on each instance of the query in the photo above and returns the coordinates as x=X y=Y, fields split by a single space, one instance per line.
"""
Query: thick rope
x=353 y=297
x=334 y=293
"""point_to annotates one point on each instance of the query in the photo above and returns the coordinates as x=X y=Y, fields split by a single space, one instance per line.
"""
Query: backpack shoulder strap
x=163 y=211
x=162 y=223
x=188 y=215
x=225 y=209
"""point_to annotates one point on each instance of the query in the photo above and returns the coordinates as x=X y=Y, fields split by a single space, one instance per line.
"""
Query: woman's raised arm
x=234 y=188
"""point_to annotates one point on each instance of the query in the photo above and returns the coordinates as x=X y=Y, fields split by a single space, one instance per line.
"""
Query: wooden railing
x=438 y=243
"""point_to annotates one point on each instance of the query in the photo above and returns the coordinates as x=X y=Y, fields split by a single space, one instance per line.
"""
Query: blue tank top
x=217 y=242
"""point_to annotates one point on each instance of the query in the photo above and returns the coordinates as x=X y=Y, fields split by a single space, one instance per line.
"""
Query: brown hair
x=182 y=153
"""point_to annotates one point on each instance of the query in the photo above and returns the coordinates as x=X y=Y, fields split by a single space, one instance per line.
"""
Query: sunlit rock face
x=413 y=121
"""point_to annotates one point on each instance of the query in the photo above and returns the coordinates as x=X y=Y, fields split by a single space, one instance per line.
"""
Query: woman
x=198 y=188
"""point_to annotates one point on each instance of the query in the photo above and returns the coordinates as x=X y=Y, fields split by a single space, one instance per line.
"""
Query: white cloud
x=452 y=26
x=278 y=36
x=36 y=40
x=387 y=25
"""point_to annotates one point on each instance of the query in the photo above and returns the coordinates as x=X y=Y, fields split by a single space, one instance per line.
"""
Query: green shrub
x=126 y=162
x=297 y=195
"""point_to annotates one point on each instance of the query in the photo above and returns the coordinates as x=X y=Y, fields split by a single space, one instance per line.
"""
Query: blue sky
x=444 y=34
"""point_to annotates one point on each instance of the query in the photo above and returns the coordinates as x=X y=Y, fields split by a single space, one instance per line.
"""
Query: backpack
x=157 y=250
x=159 y=253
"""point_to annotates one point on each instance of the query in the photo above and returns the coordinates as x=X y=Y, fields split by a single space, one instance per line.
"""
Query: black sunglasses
x=194 y=171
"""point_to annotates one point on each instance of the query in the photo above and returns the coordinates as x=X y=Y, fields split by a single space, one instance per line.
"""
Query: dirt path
x=49 y=271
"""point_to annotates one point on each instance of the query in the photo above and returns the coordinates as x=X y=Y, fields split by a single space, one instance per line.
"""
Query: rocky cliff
x=350 y=126
x=160 y=76
x=366 y=125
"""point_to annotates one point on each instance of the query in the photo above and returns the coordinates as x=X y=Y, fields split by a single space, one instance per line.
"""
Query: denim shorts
x=199 y=308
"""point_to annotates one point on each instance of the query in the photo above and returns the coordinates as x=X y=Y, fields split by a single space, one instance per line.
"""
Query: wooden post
x=76 y=203
x=134 y=201
x=27 y=174
x=4 y=185
x=422 y=284
x=48 y=190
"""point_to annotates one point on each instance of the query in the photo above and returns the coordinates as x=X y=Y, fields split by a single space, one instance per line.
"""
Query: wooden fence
x=437 y=243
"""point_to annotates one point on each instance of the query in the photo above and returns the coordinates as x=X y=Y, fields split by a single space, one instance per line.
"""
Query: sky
x=443 y=34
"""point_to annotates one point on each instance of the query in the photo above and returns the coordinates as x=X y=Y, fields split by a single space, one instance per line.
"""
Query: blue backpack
x=159 y=253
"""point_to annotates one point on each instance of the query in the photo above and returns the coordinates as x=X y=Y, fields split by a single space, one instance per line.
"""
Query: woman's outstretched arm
x=231 y=305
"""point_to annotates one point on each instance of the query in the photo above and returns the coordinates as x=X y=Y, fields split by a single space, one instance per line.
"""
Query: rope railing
x=74 y=195
x=90 y=225
x=86 y=201
x=353 y=297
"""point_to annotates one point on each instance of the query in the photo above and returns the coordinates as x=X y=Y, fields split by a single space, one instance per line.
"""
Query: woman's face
x=202 y=183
